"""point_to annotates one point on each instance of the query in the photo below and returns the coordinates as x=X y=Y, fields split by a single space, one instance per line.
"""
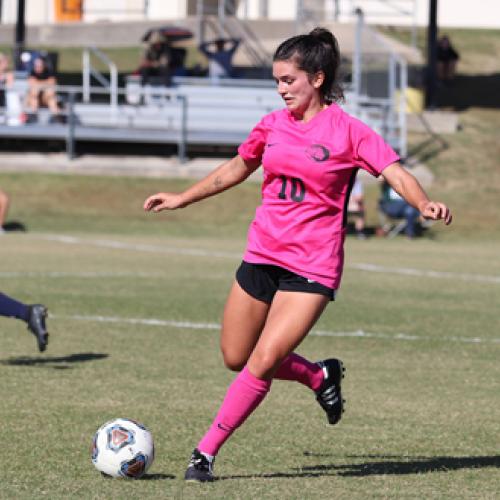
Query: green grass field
x=416 y=323
x=134 y=299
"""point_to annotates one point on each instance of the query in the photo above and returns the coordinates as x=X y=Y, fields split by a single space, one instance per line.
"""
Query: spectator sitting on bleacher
x=394 y=206
x=6 y=79
x=6 y=75
x=220 y=54
x=155 y=62
x=41 y=87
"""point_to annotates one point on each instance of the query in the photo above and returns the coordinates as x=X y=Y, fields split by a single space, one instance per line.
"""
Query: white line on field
x=233 y=255
x=408 y=271
x=61 y=274
x=320 y=333
x=71 y=240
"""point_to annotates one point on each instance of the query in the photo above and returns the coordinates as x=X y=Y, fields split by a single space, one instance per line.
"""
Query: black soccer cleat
x=329 y=395
x=200 y=469
x=36 y=324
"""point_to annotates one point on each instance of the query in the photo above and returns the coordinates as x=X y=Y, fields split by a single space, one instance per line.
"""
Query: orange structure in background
x=68 y=10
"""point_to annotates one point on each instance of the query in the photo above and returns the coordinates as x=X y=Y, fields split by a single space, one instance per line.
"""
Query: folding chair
x=390 y=225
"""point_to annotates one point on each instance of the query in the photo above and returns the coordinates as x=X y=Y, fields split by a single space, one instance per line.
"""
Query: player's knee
x=233 y=361
x=266 y=361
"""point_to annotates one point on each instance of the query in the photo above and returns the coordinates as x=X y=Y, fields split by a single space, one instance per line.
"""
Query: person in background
x=447 y=58
x=33 y=315
x=220 y=54
x=356 y=208
x=393 y=205
x=156 y=60
x=4 y=208
x=6 y=77
x=41 y=87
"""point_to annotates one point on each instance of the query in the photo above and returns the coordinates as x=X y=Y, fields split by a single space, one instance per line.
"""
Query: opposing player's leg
x=34 y=316
x=36 y=325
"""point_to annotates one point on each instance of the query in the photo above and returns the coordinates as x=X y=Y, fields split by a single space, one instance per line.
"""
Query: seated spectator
x=41 y=87
x=11 y=100
x=156 y=60
x=220 y=54
x=4 y=207
x=177 y=62
x=6 y=77
x=394 y=206
x=447 y=58
x=356 y=209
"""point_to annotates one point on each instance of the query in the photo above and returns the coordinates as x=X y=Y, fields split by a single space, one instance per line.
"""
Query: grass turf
x=423 y=410
x=422 y=413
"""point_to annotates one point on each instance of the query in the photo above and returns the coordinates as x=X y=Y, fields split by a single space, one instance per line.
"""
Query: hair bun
x=323 y=34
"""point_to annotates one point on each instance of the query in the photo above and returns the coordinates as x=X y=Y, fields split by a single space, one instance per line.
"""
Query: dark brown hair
x=316 y=51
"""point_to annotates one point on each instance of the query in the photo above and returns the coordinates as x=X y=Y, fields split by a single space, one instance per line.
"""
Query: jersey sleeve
x=370 y=151
x=253 y=146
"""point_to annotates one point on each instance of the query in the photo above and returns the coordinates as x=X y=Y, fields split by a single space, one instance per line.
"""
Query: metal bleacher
x=192 y=111
x=188 y=113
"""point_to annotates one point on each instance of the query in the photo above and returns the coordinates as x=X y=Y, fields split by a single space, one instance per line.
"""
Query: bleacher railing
x=89 y=71
x=194 y=112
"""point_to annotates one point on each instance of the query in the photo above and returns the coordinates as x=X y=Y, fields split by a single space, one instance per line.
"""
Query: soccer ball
x=123 y=448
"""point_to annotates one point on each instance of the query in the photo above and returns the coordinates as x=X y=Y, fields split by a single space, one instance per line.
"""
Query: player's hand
x=435 y=211
x=164 y=201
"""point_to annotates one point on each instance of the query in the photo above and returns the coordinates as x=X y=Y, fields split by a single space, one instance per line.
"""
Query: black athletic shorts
x=262 y=281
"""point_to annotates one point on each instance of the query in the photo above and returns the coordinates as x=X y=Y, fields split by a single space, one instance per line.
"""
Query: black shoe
x=200 y=468
x=36 y=324
x=329 y=395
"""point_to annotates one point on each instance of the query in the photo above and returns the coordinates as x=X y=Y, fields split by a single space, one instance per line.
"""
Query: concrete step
x=126 y=34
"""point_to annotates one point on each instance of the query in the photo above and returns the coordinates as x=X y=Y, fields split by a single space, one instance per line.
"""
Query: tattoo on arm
x=217 y=182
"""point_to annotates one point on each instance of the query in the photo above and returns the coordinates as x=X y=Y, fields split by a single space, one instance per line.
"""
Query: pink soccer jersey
x=309 y=169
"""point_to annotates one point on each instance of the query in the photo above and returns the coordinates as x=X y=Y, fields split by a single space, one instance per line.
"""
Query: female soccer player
x=310 y=152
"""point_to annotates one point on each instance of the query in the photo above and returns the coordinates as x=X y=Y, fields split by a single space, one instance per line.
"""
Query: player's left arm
x=406 y=185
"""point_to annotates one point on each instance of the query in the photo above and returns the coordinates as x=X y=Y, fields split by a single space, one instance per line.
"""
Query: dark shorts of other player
x=262 y=281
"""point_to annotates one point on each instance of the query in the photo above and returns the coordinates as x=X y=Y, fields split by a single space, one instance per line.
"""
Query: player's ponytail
x=317 y=51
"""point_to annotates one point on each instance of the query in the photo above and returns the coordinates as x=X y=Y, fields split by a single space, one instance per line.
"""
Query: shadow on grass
x=156 y=477
x=430 y=147
x=56 y=362
x=480 y=91
x=146 y=477
x=393 y=464
x=14 y=226
x=386 y=464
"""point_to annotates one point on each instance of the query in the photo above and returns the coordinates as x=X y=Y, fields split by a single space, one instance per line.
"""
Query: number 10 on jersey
x=297 y=189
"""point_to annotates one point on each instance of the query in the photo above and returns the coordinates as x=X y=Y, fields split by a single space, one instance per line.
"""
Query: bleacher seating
x=189 y=113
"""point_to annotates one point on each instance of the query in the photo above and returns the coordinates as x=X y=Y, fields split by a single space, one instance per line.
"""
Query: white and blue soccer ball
x=123 y=448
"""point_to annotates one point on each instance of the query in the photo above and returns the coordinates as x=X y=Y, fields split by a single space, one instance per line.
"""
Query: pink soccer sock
x=244 y=395
x=297 y=368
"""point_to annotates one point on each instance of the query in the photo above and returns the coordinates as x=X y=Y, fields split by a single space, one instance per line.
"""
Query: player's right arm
x=227 y=175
